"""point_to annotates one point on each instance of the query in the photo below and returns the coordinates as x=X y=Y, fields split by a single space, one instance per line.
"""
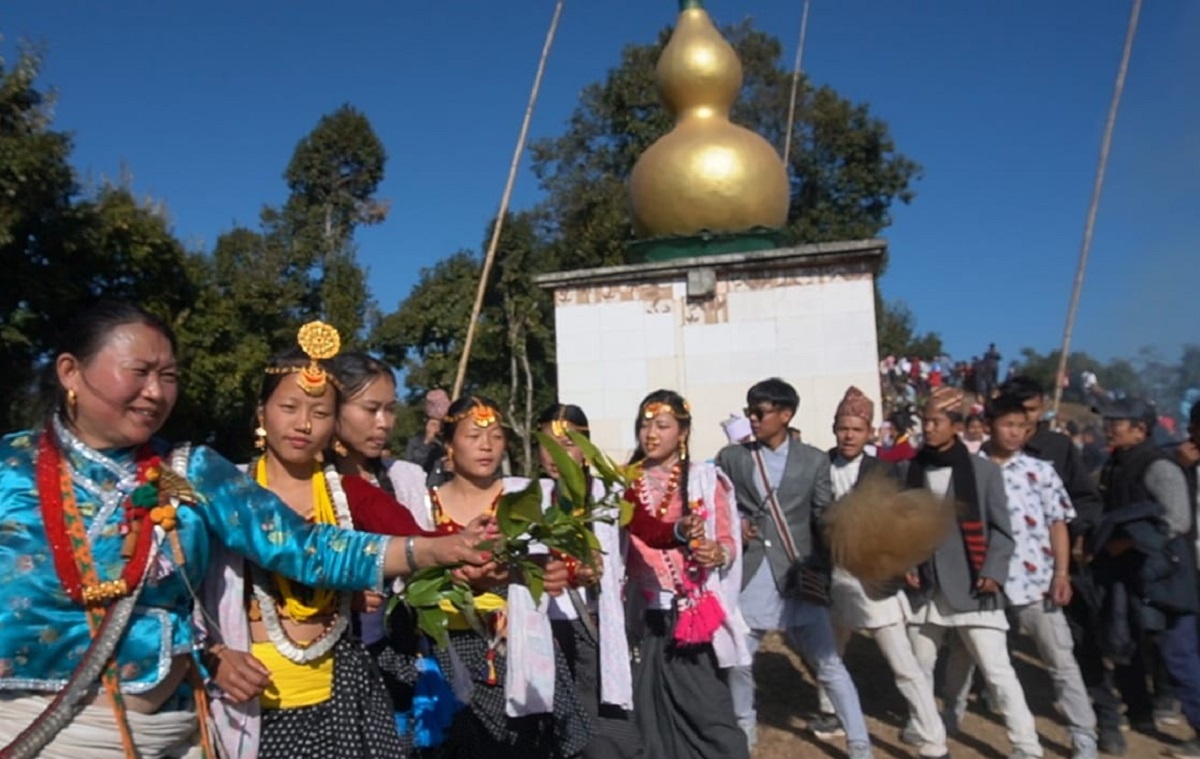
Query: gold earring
x=72 y=404
x=683 y=449
x=340 y=448
x=260 y=435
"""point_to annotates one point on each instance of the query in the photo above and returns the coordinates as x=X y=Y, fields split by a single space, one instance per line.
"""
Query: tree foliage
x=333 y=175
x=60 y=248
x=897 y=329
x=257 y=287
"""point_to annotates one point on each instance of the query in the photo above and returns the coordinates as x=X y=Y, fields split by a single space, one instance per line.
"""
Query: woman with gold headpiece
x=691 y=626
x=589 y=619
x=517 y=705
x=105 y=530
x=296 y=683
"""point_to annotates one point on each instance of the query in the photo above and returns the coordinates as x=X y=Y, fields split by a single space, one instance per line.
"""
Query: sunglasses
x=758 y=413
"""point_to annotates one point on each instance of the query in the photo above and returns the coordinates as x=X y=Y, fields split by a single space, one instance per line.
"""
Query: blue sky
x=1002 y=103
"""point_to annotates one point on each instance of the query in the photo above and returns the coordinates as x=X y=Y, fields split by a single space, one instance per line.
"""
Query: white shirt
x=845 y=474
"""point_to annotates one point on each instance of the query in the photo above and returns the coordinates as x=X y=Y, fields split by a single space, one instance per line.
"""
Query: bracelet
x=216 y=650
x=410 y=553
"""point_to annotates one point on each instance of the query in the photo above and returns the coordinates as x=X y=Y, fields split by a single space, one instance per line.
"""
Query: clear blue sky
x=1002 y=103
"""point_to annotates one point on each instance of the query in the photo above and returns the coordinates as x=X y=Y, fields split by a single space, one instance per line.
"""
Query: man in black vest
x=1145 y=555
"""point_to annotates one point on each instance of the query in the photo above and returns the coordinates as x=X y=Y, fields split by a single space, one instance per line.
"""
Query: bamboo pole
x=490 y=257
x=1097 y=187
x=796 y=68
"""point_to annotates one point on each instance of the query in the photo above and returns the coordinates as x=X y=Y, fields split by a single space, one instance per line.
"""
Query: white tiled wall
x=820 y=337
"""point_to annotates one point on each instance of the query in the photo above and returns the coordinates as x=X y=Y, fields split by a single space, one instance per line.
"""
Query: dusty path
x=786 y=695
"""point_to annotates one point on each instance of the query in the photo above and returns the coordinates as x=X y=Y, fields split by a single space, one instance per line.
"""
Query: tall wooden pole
x=797 y=67
x=498 y=227
x=1097 y=187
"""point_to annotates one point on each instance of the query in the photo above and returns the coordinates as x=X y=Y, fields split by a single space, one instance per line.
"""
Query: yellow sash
x=323 y=600
x=485 y=603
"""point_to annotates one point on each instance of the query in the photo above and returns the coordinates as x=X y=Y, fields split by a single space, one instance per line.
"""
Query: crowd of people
x=159 y=601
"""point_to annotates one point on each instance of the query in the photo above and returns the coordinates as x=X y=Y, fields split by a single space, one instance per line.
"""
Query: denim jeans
x=810 y=632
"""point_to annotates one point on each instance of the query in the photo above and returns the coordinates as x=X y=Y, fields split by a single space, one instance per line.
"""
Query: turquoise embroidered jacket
x=43 y=634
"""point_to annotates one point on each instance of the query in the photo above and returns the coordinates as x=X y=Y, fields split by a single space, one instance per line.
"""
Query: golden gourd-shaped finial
x=707 y=174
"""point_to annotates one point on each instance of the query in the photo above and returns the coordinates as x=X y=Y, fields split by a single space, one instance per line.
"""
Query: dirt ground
x=786 y=696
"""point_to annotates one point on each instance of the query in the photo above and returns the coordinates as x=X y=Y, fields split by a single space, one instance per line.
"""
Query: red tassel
x=699 y=620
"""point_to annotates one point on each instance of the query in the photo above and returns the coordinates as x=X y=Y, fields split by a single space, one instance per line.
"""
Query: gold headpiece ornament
x=480 y=413
x=560 y=425
x=651 y=410
x=320 y=342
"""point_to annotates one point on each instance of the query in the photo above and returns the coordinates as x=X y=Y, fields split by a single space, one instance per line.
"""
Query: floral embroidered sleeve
x=252 y=521
x=725 y=510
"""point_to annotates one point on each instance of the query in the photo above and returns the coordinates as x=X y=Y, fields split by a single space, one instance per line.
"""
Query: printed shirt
x=1037 y=499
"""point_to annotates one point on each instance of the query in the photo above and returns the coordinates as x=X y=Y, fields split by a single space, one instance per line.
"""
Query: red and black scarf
x=970 y=520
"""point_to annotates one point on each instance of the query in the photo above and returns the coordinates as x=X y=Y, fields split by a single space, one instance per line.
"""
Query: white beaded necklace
x=270 y=611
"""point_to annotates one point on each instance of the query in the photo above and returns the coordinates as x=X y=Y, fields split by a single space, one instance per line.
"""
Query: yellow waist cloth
x=485 y=604
x=293 y=685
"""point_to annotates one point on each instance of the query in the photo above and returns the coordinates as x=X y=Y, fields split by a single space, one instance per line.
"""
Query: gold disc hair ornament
x=320 y=342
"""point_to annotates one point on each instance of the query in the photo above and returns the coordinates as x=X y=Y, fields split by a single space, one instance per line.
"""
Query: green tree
x=36 y=214
x=251 y=298
x=897 y=331
x=59 y=249
x=333 y=176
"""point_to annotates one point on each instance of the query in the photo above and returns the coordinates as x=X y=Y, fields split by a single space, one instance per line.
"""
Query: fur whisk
x=879 y=531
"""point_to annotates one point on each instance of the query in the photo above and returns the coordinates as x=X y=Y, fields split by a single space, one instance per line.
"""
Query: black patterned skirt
x=617 y=735
x=357 y=721
x=484 y=730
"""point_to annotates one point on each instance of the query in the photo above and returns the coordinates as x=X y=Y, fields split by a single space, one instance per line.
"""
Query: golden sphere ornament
x=707 y=174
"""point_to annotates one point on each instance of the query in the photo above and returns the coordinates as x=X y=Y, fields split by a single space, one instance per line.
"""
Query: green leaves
x=517 y=513
x=572 y=482
x=424 y=594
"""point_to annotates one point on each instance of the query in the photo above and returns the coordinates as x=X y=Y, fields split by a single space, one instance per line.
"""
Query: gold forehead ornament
x=480 y=413
x=560 y=427
x=320 y=342
x=652 y=410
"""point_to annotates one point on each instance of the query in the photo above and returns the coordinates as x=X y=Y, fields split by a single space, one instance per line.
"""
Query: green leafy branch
x=565 y=530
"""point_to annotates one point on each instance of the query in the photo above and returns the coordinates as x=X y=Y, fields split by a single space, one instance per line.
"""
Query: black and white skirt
x=484 y=730
x=357 y=721
x=617 y=735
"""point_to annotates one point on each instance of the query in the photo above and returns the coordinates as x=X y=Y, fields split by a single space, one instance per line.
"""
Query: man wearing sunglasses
x=782 y=487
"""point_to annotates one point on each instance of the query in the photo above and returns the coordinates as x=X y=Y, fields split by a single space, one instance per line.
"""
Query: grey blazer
x=949 y=570
x=805 y=491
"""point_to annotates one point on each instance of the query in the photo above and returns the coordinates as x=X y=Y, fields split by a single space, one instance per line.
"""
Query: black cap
x=1133 y=409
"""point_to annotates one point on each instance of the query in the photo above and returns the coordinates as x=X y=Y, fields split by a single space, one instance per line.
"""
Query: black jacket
x=1059 y=450
x=1142 y=588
